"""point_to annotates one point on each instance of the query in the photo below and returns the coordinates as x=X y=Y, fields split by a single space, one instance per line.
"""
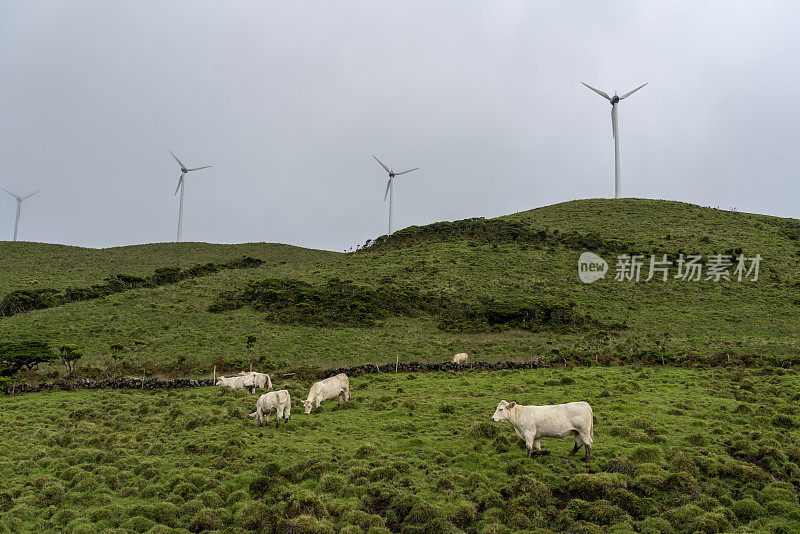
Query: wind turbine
x=614 y=101
x=184 y=170
x=392 y=174
x=19 y=208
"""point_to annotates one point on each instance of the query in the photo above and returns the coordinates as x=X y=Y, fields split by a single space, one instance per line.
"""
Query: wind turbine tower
x=389 y=184
x=184 y=170
x=614 y=101
x=19 y=208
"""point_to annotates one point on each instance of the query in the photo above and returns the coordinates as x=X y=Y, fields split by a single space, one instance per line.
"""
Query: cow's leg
x=341 y=398
x=578 y=444
x=588 y=448
x=529 y=443
x=348 y=394
x=538 y=445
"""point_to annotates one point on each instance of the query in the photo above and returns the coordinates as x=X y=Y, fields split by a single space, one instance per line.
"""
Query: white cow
x=236 y=382
x=553 y=421
x=330 y=388
x=460 y=358
x=277 y=402
x=260 y=380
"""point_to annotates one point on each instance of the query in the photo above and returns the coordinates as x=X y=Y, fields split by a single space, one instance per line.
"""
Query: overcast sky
x=287 y=100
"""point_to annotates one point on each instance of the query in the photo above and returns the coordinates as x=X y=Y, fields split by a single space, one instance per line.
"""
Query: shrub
x=747 y=509
x=646 y=454
x=364 y=450
x=6 y=501
x=710 y=523
x=363 y=519
x=464 y=514
x=139 y=524
x=16 y=356
x=591 y=486
x=785 y=421
x=484 y=429
x=204 y=519
x=333 y=483
x=698 y=440
x=305 y=503
x=306 y=524
x=253 y=515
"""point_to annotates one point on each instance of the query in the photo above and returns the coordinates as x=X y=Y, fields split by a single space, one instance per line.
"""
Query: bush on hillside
x=16 y=356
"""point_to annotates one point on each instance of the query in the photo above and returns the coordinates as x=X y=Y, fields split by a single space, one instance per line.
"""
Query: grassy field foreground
x=676 y=450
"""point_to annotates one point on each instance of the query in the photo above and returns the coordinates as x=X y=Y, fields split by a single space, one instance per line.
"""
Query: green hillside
x=504 y=288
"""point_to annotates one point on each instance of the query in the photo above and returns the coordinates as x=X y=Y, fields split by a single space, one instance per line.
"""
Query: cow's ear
x=512 y=404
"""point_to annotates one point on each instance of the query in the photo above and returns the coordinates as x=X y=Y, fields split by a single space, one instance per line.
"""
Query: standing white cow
x=260 y=380
x=235 y=382
x=277 y=402
x=330 y=388
x=460 y=358
x=553 y=421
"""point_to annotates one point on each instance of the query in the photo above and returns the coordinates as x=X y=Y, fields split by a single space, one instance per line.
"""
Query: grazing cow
x=330 y=388
x=260 y=380
x=554 y=421
x=236 y=382
x=277 y=402
x=460 y=359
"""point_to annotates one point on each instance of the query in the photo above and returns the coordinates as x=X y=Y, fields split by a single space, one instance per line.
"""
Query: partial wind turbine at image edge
x=614 y=131
x=184 y=170
x=389 y=187
x=19 y=208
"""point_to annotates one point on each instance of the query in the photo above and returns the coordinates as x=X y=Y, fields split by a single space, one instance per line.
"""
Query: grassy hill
x=432 y=291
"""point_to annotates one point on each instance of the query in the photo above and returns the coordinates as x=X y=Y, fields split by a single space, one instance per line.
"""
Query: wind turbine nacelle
x=614 y=99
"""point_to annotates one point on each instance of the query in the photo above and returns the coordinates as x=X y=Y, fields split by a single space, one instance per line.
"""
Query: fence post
x=396 y=363
x=215 y=375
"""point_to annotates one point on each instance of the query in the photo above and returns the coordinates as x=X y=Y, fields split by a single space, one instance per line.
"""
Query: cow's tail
x=591 y=424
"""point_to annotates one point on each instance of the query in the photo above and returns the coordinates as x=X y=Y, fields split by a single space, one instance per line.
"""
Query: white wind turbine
x=184 y=170
x=614 y=101
x=392 y=174
x=19 y=208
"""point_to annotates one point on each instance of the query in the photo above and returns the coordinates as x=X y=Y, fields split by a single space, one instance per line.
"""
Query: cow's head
x=307 y=405
x=220 y=381
x=503 y=410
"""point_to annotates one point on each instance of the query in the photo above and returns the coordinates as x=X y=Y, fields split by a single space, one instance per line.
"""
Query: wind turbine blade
x=399 y=173
x=10 y=193
x=29 y=196
x=176 y=159
x=598 y=91
x=388 y=185
x=382 y=164
x=198 y=168
x=626 y=95
x=614 y=121
x=180 y=181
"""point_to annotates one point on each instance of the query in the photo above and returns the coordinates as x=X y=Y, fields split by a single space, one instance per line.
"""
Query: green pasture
x=676 y=450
